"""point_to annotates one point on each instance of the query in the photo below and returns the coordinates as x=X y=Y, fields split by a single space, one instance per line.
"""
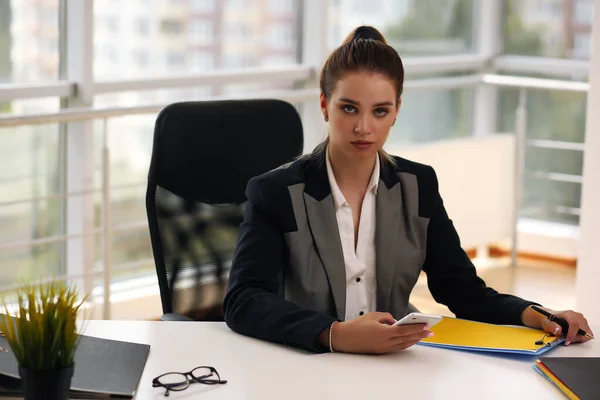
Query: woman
x=333 y=243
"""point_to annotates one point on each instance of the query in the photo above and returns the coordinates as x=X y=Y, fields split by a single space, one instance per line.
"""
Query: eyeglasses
x=178 y=381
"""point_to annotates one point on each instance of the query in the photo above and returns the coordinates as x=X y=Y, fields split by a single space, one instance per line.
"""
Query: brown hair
x=364 y=49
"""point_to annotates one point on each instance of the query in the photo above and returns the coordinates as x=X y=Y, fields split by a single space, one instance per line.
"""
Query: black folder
x=103 y=368
x=580 y=374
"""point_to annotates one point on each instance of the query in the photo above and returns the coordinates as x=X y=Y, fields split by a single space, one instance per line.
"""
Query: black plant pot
x=51 y=384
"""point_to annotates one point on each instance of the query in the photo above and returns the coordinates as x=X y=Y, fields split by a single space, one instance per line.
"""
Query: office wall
x=476 y=178
x=588 y=268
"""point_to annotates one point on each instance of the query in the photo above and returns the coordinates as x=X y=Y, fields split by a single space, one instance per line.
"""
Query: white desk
x=258 y=370
x=263 y=371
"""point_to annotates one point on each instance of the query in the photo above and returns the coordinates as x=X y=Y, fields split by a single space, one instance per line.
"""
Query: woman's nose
x=363 y=126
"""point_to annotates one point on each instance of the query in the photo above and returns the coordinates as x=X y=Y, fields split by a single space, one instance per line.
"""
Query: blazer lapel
x=324 y=228
x=322 y=221
x=387 y=240
x=392 y=231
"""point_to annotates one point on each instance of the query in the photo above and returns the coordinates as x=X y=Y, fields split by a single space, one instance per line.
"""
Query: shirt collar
x=338 y=197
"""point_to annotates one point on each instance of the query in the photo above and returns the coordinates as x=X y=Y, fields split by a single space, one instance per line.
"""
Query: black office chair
x=203 y=155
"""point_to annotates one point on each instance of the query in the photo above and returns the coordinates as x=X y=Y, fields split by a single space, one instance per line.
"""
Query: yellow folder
x=479 y=336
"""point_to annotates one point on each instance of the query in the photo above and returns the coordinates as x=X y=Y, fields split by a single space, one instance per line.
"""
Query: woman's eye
x=348 y=108
x=381 y=112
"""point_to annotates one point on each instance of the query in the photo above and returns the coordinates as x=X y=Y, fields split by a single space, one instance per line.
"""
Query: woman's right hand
x=373 y=333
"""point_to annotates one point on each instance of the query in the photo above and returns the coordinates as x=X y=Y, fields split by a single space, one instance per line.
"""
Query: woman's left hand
x=575 y=320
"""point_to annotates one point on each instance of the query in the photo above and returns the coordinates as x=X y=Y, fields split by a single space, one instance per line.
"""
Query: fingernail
x=567 y=343
x=430 y=334
x=556 y=330
x=426 y=327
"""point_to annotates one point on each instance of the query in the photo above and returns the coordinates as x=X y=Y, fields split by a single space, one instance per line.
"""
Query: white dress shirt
x=360 y=264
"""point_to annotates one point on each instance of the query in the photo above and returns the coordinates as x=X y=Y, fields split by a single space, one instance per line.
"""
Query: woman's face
x=361 y=111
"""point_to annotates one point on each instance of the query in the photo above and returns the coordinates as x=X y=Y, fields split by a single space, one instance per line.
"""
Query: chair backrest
x=203 y=155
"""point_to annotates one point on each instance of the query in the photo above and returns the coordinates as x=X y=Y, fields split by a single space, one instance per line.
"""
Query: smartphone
x=418 y=318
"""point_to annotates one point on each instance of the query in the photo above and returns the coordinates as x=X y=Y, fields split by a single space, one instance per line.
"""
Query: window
x=110 y=54
x=238 y=32
x=142 y=27
x=239 y=61
x=582 y=46
x=140 y=58
x=541 y=10
x=237 y=4
x=175 y=60
x=202 y=5
x=203 y=92
x=551 y=9
x=361 y=6
x=557 y=116
x=129 y=161
x=427 y=116
x=200 y=32
x=234 y=38
x=49 y=16
x=112 y=24
x=277 y=61
x=281 y=6
x=171 y=27
x=20 y=62
x=414 y=28
x=542 y=29
x=281 y=36
x=202 y=61
x=30 y=160
x=584 y=12
x=50 y=45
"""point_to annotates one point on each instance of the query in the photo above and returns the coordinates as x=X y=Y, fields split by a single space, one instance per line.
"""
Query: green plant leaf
x=43 y=332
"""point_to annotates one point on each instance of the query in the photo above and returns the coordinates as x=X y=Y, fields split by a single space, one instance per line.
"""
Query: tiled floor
x=550 y=285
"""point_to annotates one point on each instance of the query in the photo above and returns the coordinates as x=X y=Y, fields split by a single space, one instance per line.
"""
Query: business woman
x=333 y=243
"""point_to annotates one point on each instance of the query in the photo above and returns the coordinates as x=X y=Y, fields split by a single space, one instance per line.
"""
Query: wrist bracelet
x=330 y=330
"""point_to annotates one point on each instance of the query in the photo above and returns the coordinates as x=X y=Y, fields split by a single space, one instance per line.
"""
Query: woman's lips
x=361 y=144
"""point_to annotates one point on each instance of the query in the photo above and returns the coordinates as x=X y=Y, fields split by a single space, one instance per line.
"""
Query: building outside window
x=201 y=32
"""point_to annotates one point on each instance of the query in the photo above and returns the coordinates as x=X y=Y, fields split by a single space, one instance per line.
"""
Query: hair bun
x=368 y=32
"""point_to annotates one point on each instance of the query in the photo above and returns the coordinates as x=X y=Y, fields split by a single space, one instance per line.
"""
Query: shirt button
x=357 y=279
x=361 y=313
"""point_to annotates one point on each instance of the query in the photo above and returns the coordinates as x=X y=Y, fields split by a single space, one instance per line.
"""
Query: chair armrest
x=175 y=317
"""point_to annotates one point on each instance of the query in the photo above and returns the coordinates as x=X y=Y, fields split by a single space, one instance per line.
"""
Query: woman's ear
x=324 y=103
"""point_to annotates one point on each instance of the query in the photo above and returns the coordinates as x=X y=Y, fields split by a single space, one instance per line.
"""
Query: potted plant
x=42 y=334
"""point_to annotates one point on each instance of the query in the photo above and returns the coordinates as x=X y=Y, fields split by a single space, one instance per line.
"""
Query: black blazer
x=287 y=280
